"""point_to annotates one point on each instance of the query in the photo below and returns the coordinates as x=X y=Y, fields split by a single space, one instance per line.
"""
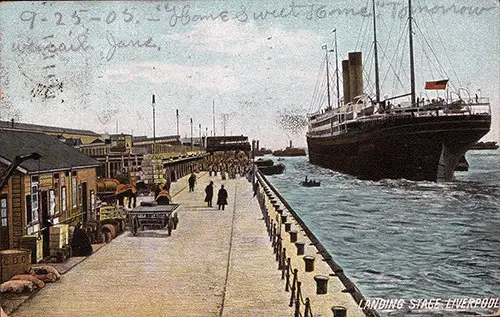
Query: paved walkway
x=217 y=263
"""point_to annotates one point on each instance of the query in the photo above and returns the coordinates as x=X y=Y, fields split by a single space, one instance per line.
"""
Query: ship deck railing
x=437 y=109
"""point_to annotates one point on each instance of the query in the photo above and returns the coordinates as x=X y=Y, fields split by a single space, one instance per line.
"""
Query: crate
x=58 y=241
x=35 y=245
x=13 y=262
x=59 y=229
x=61 y=254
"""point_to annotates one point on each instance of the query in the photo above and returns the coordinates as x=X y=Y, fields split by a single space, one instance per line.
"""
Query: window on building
x=3 y=210
x=52 y=202
x=74 y=190
x=80 y=195
x=63 y=199
x=34 y=198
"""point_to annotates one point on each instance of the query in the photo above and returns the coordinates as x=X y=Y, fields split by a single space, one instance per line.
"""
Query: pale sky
x=108 y=58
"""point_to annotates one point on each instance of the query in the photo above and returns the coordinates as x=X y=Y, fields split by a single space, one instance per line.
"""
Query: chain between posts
x=284 y=262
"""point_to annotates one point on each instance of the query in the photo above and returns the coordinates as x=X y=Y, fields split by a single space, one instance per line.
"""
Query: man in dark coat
x=192 y=181
x=222 y=197
x=80 y=243
x=209 y=191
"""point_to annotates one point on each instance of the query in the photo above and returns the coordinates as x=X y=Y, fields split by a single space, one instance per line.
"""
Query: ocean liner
x=375 y=139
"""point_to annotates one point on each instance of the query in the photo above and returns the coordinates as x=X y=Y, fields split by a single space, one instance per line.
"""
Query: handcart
x=153 y=217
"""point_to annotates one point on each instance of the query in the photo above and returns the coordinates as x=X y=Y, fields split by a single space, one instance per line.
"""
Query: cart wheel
x=169 y=227
x=121 y=225
x=176 y=221
x=135 y=225
x=107 y=236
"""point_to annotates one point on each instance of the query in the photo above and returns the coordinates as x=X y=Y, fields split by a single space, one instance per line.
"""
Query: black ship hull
x=410 y=148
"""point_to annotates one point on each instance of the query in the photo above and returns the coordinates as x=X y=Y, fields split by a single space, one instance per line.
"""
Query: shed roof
x=44 y=128
x=55 y=154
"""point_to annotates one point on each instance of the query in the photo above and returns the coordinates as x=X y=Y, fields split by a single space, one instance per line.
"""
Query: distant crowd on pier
x=227 y=164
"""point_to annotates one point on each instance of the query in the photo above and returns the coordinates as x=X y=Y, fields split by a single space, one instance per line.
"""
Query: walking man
x=192 y=181
x=209 y=191
x=222 y=197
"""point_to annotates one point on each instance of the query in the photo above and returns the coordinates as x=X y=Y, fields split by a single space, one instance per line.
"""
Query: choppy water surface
x=405 y=239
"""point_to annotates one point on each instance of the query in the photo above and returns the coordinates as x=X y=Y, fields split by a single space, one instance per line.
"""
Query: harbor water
x=399 y=239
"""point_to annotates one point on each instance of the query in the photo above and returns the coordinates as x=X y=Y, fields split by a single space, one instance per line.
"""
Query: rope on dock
x=274 y=231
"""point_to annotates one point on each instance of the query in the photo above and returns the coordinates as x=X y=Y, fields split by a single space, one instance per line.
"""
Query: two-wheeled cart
x=153 y=217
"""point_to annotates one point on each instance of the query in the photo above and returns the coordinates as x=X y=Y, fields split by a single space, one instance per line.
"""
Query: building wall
x=20 y=187
x=17 y=207
x=89 y=177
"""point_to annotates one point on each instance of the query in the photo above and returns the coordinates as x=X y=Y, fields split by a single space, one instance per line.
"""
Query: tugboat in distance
x=310 y=183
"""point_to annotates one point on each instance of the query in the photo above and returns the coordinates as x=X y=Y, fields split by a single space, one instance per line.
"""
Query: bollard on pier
x=321 y=284
x=309 y=261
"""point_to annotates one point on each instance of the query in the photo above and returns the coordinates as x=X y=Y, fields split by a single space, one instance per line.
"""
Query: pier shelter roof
x=55 y=155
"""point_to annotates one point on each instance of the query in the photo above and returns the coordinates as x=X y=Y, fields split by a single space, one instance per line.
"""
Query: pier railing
x=290 y=273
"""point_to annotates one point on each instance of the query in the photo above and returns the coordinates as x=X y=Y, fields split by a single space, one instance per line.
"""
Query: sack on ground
x=16 y=286
x=27 y=277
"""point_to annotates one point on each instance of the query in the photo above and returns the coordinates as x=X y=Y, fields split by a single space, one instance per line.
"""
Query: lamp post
x=253 y=161
x=154 y=125
x=191 y=134
x=177 y=116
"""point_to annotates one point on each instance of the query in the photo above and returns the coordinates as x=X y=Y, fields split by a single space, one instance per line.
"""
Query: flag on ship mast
x=436 y=85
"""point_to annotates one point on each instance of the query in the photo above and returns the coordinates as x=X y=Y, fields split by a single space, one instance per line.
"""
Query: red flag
x=436 y=85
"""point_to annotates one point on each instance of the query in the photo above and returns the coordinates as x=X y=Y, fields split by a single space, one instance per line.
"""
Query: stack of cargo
x=147 y=169
x=34 y=243
x=59 y=241
x=157 y=163
x=152 y=167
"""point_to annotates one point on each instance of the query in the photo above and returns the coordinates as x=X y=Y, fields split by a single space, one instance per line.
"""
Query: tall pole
x=177 y=116
x=253 y=161
x=213 y=114
x=191 y=134
x=154 y=125
x=224 y=120
x=412 y=64
x=327 y=77
x=337 y=68
x=199 y=125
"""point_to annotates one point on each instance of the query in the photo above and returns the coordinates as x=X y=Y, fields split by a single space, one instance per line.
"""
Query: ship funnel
x=355 y=74
x=345 y=79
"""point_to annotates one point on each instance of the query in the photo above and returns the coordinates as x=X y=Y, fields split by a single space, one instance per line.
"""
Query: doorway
x=84 y=203
x=45 y=223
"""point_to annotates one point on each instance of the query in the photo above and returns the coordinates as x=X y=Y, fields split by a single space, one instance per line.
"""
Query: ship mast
x=412 y=65
x=377 y=85
x=337 y=68
x=325 y=47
